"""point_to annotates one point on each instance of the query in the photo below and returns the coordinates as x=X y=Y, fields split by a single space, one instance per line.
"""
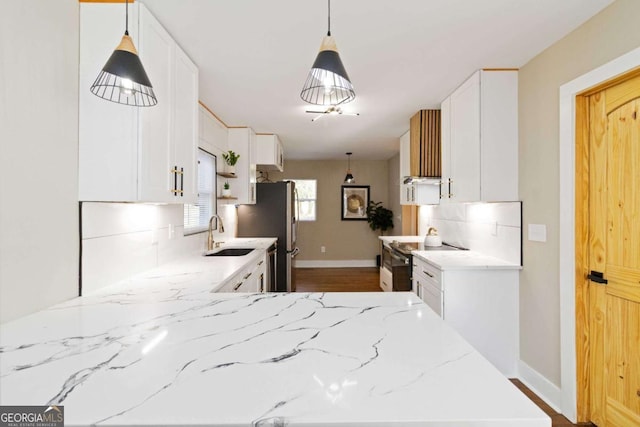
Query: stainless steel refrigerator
x=273 y=215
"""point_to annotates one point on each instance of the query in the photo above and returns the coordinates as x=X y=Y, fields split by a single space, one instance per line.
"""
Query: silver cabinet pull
x=427 y=273
x=237 y=286
x=247 y=276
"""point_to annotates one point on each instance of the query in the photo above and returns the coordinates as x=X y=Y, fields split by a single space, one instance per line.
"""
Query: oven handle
x=399 y=258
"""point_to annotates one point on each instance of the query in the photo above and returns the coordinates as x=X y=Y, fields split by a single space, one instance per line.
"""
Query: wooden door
x=614 y=251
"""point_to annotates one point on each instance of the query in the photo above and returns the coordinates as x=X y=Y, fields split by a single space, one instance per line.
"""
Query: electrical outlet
x=323 y=249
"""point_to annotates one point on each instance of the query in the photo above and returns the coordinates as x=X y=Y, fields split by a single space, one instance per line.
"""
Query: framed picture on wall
x=355 y=199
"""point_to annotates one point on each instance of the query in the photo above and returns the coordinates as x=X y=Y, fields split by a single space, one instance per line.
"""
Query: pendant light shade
x=349 y=179
x=123 y=78
x=328 y=82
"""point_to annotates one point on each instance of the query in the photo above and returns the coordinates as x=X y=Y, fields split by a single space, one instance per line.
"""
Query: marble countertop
x=162 y=349
x=464 y=260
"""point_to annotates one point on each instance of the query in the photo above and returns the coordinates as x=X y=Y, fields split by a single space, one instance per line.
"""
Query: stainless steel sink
x=231 y=252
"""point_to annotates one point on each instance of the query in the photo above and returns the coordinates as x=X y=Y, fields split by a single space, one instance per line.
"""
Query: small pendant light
x=123 y=79
x=349 y=179
x=328 y=82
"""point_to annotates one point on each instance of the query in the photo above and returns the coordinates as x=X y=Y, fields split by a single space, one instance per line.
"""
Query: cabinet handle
x=237 y=286
x=181 y=182
x=262 y=283
x=408 y=197
x=413 y=193
x=175 y=180
x=247 y=276
x=428 y=274
x=450 y=193
x=261 y=262
x=253 y=190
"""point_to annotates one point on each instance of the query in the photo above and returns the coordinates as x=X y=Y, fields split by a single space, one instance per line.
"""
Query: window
x=196 y=217
x=306 y=207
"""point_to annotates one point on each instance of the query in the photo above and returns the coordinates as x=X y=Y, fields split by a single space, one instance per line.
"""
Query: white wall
x=491 y=228
x=38 y=151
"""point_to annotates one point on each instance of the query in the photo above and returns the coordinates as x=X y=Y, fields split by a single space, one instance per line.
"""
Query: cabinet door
x=185 y=137
x=156 y=49
x=465 y=141
x=445 y=126
x=405 y=189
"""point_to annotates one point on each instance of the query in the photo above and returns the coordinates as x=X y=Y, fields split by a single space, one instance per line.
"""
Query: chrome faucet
x=219 y=226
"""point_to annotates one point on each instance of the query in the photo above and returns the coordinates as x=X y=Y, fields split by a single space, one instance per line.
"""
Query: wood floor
x=367 y=280
x=337 y=279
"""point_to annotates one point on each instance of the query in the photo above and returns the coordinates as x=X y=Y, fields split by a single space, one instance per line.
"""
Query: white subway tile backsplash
x=122 y=239
x=108 y=259
x=491 y=228
x=107 y=219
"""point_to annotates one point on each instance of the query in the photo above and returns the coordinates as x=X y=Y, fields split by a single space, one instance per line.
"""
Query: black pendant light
x=123 y=79
x=328 y=82
x=349 y=179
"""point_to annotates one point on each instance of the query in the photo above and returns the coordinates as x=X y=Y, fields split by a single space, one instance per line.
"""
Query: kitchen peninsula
x=163 y=349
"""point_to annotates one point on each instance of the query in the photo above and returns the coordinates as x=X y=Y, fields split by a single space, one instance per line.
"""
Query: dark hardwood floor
x=337 y=279
x=367 y=280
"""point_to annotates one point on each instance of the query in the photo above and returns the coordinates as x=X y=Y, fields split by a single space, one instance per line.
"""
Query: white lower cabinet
x=386 y=280
x=481 y=305
x=250 y=279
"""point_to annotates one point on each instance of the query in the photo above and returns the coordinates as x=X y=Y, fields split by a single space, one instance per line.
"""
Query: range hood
x=428 y=180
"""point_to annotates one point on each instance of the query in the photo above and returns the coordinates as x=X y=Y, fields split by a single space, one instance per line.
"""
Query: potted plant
x=379 y=217
x=226 y=189
x=230 y=160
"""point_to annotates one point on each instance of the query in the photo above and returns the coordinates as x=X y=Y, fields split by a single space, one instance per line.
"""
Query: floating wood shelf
x=227 y=175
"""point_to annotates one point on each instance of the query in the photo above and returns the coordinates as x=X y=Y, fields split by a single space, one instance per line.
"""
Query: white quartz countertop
x=162 y=349
x=464 y=260
x=454 y=260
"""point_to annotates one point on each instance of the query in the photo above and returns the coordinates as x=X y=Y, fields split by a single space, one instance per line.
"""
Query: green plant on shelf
x=226 y=185
x=230 y=157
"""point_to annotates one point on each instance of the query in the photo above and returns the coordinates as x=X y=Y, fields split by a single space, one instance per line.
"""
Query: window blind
x=196 y=217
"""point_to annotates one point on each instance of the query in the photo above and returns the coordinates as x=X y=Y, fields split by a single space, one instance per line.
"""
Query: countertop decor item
x=379 y=217
x=328 y=82
x=432 y=239
x=123 y=79
x=355 y=200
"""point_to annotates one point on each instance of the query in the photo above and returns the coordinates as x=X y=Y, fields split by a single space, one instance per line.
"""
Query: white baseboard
x=542 y=387
x=335 y=263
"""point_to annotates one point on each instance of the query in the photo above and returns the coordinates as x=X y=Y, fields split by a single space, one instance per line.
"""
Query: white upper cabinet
x=480 y=139
x=270 y=153
x=136 y=154
x=243 y=142
x=214 y=136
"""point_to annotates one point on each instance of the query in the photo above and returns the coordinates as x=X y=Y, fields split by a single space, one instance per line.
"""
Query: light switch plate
x=537 y=232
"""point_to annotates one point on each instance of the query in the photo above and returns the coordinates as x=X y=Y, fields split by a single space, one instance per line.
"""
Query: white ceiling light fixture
x=328 y=82
x=349 y=179
x=123 y=79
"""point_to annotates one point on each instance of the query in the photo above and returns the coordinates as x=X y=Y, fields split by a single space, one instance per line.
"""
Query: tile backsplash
x=123 y=239
x=491 y=228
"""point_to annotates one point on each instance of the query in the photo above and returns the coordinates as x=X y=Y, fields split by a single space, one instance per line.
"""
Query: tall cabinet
x=243 y=141
x=480 y=139
x=137 y=154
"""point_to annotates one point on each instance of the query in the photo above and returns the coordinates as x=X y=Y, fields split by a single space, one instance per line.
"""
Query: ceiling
x=401 y=56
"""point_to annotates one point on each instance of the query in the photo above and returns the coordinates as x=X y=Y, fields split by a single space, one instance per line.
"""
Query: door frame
x=573 y=320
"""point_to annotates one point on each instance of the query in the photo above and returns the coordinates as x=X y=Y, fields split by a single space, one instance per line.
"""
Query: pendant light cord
x=329 y=17
x=126 y=18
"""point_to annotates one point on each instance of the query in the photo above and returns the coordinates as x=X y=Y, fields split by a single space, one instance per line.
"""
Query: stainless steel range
x=396 y=258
